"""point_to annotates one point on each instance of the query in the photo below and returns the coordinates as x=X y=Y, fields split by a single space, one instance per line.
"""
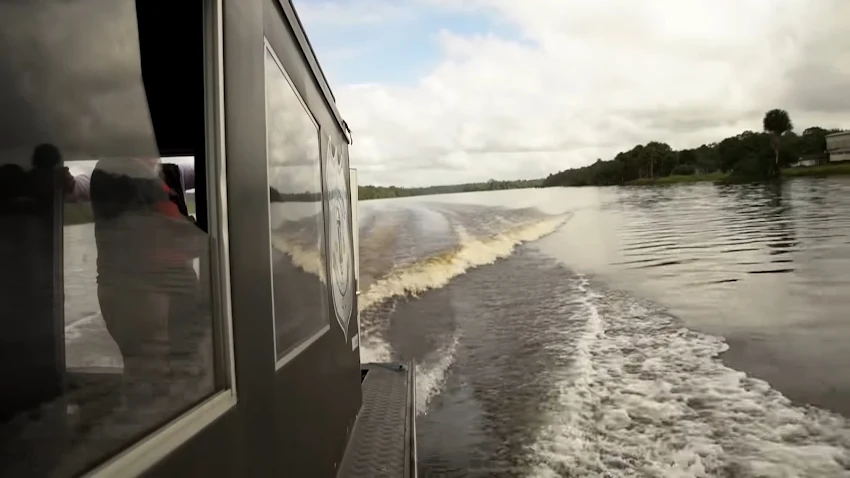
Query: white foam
x=431 y=373
x=566 y=420
x=374 y=349
x=646 y=397
x=373 y=346
x=437 y=270
x=88 y=344
x=306 y=258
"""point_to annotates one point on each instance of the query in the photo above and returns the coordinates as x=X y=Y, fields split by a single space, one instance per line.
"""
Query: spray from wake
x=431 y=374
x=437 y=270
x=411 y=280
x=304 y=257
x=646 y=397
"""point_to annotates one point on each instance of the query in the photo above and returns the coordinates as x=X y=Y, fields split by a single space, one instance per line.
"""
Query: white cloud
x=352 y=12
x=587 y=78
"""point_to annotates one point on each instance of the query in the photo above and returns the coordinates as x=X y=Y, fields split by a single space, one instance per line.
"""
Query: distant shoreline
x=80 y=213
x=825 y=170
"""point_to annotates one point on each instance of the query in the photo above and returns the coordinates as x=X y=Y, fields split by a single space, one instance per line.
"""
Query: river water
x=683 y=331
x=692 y=330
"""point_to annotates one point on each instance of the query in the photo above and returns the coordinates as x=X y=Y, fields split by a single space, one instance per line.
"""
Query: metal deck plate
x=381 y=443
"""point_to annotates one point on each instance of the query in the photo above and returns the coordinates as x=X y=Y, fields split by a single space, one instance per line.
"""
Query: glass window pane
x=296 y=214
x=107 y=335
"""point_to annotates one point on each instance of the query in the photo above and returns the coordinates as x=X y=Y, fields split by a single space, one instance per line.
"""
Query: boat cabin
x=178 y=240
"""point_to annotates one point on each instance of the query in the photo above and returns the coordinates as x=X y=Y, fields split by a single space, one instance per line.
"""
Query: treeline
x=750 y=155
x=384 y=192
x=277 y=196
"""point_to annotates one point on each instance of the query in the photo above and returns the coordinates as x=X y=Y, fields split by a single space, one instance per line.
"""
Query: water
x=684 y=331
x=598 y=332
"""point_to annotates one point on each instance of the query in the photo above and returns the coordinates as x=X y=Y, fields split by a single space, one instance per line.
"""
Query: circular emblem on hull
x=341 y=253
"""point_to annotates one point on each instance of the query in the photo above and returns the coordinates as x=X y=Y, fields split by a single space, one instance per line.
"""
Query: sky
x=451 y=91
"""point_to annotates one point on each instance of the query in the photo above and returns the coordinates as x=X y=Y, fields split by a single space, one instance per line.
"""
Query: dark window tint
x=105 y=300
x=296 y=214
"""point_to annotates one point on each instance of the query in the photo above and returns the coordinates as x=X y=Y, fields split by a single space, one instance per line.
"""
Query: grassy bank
x=693 y=178
x=834 y=169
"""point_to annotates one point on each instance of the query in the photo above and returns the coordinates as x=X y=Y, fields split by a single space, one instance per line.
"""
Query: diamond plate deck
x=382 y=444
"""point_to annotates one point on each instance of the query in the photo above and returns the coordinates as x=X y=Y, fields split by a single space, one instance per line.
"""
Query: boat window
x=107 y=303
x=296 y=216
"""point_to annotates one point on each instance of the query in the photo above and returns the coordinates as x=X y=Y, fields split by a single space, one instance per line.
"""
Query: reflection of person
x=30 y=245
x=147 y=286
x=33 y=368
x=179 y=177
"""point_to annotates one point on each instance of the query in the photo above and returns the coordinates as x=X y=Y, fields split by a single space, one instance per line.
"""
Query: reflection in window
x=106 y=333
x=296 y=217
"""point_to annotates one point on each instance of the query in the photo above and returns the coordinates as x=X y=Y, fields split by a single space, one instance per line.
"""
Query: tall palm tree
x=777 y=122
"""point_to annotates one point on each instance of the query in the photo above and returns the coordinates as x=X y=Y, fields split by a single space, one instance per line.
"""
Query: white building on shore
x=838 y=146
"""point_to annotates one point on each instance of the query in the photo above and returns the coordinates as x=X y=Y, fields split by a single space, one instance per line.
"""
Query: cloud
x=71 y=76
x=819 y=79
x=292 y=137
x=347 y=13
x=552 y=85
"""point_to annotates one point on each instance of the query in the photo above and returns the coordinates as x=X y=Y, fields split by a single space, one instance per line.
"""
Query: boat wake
x=304 y=256
x=645 y=397
x=431 y=373
x=435 y=271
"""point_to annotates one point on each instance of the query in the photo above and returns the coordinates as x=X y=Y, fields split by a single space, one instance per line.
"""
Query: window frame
x=353 y=186
x=147 y=452
x=309 y=340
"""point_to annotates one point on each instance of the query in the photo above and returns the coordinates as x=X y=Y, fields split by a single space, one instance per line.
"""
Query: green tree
x=661 y=158
x=747 y=156
x=777 y=122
